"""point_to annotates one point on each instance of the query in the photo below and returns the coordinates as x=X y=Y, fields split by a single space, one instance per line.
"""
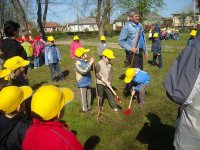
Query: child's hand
x=92 y=59
x=132 y=92
x=158 y=54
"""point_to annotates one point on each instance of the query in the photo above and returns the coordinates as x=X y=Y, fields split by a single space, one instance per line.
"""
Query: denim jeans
x=55 y=67
x=36 y=62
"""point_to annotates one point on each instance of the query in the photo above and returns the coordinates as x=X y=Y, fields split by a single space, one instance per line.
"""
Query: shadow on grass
x=91 y=143
x=36 y=86
x=65 y=73
x=122 y=77
x=157 y=135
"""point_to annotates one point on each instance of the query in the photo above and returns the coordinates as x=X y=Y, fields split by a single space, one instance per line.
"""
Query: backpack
x=183 y=73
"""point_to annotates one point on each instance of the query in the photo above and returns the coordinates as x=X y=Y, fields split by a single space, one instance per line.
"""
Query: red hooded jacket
x=50 y=136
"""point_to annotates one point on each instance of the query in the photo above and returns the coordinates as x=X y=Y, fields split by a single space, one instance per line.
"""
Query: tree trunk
x=21 y=15
x=39 y=14
x=45 y=12
x=100 y=20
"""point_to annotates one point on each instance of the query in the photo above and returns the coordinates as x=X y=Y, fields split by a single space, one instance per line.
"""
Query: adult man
x=128 y=40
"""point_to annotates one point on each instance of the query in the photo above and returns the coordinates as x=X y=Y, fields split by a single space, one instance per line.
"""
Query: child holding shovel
x=104 y=77
x=138 y=81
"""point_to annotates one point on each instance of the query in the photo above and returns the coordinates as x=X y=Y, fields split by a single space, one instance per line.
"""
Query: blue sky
x=64 y=12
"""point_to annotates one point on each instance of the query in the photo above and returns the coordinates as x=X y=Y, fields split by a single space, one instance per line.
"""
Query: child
x=102 y=46
x=36 y=54
x=47 y=131
x=193 y=34
x=4 y=73
x=17 y=66
x=156 y=49
x=28 y=48
x=53 y=58
x=83 y=77
x=74 y=45
x=104 y=77
x=13 y=124
x=137 y=81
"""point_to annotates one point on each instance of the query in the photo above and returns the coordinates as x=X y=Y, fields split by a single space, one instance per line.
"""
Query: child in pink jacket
x=74 y=45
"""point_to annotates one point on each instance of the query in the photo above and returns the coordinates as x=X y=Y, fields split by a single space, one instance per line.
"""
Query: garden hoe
x=128 y=111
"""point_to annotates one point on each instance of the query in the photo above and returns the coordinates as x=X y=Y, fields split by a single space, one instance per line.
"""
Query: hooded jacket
x=12 y=131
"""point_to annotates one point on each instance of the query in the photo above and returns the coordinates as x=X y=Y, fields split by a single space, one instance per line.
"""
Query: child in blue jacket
x=156 y=49
x=83 y=77
x=53 y=58
x=137 y=81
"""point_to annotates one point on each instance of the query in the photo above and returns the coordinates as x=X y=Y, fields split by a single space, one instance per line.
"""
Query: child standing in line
x=36 y=54
x=193 y=35
x=102 y=46
x=13 y=124
x=53 y=58
x=28 y=48
x=48 y=132
x=137 y=81
x=3 y=74
x=104 y=76
x=17 y=66
x=74 y=45
x=83 y=77
x=156 y=49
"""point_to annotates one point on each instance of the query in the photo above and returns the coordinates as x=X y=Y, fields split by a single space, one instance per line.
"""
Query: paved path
x=116 y=45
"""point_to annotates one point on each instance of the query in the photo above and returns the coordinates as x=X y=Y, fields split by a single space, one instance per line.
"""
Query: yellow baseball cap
x=50 y=38
x=155 y=35
x=76 y=37
x=15 y=62
x=129 y=74
x=49 y=100
x=12 y=96
x=108 y=53
x=80 y=51
x=193 y=33
x=103 y=38
x=4 y=73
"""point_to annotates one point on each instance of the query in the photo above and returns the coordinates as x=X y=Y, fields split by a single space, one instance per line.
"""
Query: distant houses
x=83 y=24
x=188 y=16
x=52 y=27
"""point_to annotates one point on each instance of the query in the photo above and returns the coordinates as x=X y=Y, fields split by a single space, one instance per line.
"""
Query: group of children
x=103 y=76
x=44 y=130
x=34 y=49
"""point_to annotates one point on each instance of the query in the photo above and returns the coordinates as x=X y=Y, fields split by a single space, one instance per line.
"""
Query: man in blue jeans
x=128 y=37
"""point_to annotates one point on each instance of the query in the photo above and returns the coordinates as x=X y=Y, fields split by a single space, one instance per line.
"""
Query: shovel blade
x=127 y=112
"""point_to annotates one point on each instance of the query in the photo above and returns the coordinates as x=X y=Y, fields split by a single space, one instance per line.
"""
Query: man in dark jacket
x=10 y=46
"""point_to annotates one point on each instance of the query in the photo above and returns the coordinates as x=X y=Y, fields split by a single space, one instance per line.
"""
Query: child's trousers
x=85 y=98
x=55 y=67
x=109 y=96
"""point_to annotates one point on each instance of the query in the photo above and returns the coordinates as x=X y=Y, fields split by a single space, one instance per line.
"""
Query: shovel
x=117 y=97
x=108 y=85
x=128 y=111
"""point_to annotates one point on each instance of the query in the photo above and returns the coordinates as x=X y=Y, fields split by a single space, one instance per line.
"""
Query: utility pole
x=77 y=14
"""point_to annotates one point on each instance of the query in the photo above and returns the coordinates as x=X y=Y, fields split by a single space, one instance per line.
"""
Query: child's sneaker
x=115 y=109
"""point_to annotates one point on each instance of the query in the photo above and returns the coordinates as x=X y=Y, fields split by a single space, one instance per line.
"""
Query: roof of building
x=84 y=21
x=51 y=24
x=187 y=9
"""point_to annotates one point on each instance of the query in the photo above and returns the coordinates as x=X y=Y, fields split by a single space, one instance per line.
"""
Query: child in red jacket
x=47 y=131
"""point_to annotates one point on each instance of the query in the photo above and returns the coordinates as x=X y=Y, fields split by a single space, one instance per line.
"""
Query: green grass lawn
x=150 y=127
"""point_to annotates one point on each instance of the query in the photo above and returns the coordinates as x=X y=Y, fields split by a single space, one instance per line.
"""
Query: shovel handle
x=129 y=106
